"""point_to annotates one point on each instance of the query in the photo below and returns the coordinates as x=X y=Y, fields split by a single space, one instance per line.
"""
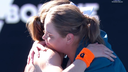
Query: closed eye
x=50 y=35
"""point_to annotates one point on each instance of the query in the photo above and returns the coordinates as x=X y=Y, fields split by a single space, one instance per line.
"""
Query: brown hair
x=35 y=23
x=48 y=5
x=69 y=19
x=35 y=28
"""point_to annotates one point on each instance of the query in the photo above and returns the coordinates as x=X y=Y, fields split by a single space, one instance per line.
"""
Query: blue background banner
x=15 y=41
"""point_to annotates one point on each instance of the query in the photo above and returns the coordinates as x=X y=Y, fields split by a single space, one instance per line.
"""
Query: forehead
x=48 y=24
x=47 y=19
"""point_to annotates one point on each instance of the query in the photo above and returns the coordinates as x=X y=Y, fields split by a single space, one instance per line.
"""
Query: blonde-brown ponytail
x=93 y=30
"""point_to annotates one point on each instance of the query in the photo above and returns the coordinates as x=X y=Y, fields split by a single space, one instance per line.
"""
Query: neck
x=71 y=52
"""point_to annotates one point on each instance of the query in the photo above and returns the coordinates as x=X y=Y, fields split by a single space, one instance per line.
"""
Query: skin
x=52 y=38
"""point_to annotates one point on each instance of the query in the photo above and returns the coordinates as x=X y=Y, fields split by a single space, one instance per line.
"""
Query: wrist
x=86 y=56
x=81 y=62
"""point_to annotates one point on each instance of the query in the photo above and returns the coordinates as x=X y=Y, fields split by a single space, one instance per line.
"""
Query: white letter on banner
x=13 y=15
x=1 y=25
x=27 y=8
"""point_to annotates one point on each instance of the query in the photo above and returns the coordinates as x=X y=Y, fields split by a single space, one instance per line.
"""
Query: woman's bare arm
x=76 y=66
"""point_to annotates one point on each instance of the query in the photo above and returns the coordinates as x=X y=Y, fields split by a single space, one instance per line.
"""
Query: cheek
x=56 y=44
x=51 y=42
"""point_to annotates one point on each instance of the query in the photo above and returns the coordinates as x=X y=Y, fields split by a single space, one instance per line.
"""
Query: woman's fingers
x=32 y=56
x=29 y=56
x=110 y=55
x=36 y=47
x=28 y=60
x=42 y=43
x=107 y=49
x=100 y=50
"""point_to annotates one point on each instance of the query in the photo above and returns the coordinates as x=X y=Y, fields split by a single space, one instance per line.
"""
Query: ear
x=70 y=38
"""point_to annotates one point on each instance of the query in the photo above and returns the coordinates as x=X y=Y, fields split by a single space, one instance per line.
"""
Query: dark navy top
x=103 y=64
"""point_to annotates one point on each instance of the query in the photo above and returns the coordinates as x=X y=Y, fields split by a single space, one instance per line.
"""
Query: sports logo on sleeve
x=82 y=55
